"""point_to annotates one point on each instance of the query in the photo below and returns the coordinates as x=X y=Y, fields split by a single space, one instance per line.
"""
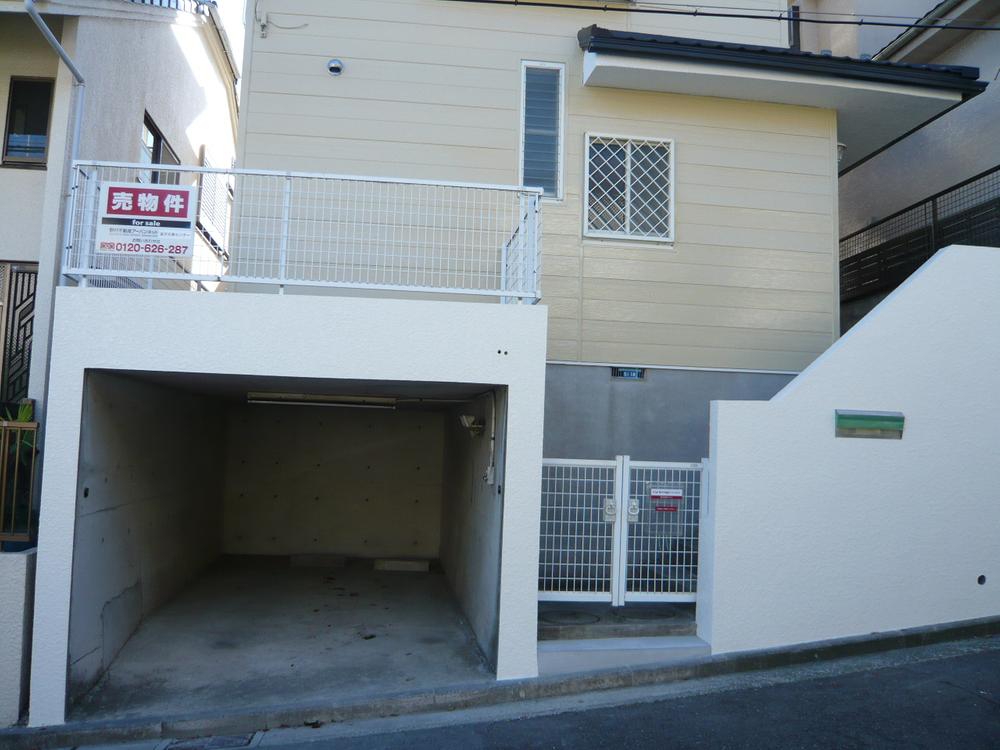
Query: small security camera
x=469 y=422
x=335 y=67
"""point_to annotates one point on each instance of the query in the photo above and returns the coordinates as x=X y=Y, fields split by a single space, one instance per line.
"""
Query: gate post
x=619 y=570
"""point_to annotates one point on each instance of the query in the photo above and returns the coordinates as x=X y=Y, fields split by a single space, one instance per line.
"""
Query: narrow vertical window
x=542 y=126
x=27 y=137
x=154 y=149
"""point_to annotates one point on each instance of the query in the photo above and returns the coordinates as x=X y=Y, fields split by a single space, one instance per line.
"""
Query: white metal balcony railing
x=281 y=229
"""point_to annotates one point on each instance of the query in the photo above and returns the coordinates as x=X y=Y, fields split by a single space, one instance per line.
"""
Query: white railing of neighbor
x=288 y=229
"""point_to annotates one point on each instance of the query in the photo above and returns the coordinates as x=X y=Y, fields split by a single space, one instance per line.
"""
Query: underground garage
x=254 y=541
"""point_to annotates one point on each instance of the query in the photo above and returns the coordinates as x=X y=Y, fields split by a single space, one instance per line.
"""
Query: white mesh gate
x=619 y=531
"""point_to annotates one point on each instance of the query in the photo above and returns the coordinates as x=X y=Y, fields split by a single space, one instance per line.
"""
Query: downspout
x=74 y=142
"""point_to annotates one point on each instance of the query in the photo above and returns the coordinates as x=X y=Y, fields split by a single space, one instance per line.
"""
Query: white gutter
x=79 y=83
x=941 y=10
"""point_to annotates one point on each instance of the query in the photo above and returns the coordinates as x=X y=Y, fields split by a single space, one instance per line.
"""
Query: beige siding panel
x=761 y=181
x=560 y=286
x=375 y=130
x=707 y=295
x=341 y=108
x=709 y=234
x=432 y=90
x=693 y=356
x=561 y=265
x=403 y=92
x=639 y=334
x=731 y=317
x=307 y=161
x=562 y=307
x=714 y=255
x=628 y=107
x=563 y=350
x=414 y=153
x=564 y=328
x=600 y=268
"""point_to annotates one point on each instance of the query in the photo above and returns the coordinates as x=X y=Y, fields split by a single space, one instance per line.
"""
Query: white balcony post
x=86 y=225
x=286 y=210
x=531 y=248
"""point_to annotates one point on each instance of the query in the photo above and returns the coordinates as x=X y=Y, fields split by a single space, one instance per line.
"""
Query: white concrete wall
x=17 y=584
x=810 y=537
x=472 y=521
x=264 y=335
x=148 y=516
x=356 y=482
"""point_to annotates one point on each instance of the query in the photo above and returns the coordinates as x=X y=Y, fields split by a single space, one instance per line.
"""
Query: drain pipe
x=79 y=84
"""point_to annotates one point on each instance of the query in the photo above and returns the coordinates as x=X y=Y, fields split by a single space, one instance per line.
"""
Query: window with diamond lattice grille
x=630 y=188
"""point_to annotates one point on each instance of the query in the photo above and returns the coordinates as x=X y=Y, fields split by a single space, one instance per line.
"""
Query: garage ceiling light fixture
x=319 y=399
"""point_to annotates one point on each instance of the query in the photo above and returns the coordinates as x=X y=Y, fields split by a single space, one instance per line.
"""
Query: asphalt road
x=941 y=703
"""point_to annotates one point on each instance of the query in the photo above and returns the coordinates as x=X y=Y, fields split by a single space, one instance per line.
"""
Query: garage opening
x=246 y=541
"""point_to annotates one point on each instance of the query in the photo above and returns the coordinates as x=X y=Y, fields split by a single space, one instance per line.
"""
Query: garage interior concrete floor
x=258 y=631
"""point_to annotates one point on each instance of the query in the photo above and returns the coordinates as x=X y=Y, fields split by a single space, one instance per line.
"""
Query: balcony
x=256 y=230
x=878 y=258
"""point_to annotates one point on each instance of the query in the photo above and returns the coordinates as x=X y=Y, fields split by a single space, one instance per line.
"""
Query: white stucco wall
x=293 y=336
x=17 y=580
x=810 y=537
x=144 y=60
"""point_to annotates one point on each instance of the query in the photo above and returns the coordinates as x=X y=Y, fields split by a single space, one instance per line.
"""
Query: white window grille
x=542 y=115
x=630 y=188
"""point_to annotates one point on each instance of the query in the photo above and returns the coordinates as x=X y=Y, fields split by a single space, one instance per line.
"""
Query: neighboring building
x=667 y=191
x=939 y=185
x=160 y=85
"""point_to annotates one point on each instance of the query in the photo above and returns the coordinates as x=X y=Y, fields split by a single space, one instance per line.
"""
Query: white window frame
x=561 y=67
x=621 y=236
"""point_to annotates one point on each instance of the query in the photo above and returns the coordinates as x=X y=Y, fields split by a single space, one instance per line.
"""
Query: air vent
x=629 y=373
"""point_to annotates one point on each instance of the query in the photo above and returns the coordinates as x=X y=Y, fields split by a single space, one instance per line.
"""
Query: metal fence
x=189 y=6
x=619 y=531
x=882 y=255
x=17 y=480
x=281 y=229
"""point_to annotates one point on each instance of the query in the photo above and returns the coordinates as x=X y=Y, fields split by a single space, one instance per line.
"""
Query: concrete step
x=590 y=654
x=575 y=621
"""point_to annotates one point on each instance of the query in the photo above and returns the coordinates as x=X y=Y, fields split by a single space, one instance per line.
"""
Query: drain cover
x=212 y=743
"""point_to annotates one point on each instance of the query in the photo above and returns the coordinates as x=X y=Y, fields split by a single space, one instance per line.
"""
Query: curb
x=463 y=697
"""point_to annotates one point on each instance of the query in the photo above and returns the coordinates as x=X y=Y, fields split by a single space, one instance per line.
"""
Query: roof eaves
x=962 y=79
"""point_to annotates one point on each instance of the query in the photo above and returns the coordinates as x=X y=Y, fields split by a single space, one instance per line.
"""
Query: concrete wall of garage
x=17 y=588
x=148 y=517
x=472 y=521
x=311 y=480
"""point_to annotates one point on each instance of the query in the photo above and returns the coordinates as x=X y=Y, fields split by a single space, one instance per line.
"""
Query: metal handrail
x=273 y=228
x=314 y=175
x=928 y=199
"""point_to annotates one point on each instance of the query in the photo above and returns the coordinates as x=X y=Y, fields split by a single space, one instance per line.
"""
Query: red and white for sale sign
x=148 y=220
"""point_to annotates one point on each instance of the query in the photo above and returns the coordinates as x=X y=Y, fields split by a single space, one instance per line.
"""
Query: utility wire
x=838 y=14
x=695 y=12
